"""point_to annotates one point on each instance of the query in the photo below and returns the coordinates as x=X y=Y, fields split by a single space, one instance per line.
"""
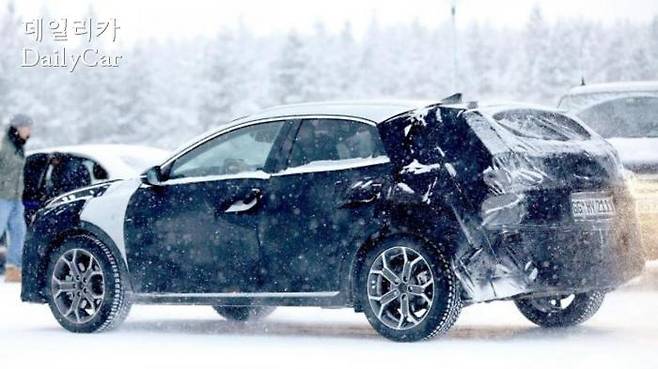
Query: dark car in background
x=626 y=114
x=403 y=211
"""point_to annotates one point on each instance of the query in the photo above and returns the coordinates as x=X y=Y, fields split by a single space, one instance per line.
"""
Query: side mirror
x=153 y=176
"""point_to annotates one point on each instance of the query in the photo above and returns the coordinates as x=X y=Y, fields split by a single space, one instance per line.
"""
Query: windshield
x=631 y=116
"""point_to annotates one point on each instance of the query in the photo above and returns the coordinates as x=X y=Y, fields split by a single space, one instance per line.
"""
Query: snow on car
x=626 y=114
x=404 y=212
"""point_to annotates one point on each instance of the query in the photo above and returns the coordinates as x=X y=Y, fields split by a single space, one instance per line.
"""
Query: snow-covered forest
x=167 y=91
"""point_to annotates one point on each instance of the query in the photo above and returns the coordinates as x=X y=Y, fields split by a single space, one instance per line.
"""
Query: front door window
x=240 y=151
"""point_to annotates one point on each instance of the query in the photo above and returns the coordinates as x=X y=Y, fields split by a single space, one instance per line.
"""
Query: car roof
x=635 y=86
x=375 y=111
x=372 y=110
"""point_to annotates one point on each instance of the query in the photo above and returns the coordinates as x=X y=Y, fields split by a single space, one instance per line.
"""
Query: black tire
x=580 y=309
x=114 y=305
x=244 y=313
x=445 y=293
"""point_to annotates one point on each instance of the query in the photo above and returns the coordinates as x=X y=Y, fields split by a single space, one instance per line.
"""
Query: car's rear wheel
x=244 y=313
x=87 y=287
x=408 y=291
x=562 y=310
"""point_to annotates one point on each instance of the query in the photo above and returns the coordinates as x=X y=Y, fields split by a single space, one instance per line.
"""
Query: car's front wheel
x=244 y=313
x=88 y=288
x=408 y=291
x=561 y=311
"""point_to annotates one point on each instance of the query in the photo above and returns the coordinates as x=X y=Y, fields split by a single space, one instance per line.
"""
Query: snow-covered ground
x=624 y=334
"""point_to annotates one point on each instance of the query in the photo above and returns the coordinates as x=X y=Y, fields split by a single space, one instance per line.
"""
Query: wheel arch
x=83 y=229
x=442 y=244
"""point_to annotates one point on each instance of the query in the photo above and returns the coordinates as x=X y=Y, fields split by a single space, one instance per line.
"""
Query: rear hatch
x=539 y=196
x=514 y=165
x=564 y=171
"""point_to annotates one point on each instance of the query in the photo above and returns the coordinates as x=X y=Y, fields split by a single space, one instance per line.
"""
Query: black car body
x=494 y=202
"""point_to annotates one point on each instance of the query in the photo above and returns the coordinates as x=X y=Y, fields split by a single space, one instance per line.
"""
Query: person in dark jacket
x=12 y=163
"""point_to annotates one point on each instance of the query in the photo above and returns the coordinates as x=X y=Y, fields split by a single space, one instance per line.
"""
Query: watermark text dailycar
x=86 y=30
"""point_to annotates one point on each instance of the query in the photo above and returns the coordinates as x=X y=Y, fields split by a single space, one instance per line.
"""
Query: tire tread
x=587 y=305
x=450 y=312
x=122 y=301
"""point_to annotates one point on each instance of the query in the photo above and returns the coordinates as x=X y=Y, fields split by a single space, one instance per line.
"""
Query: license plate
x=591 y=205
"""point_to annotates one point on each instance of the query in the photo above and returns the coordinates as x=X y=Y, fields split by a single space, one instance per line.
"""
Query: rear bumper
x=598 y=256
x=564 y=257
x=592 y=254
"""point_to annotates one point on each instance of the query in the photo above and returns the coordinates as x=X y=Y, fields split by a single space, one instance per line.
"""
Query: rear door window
x=320 y=140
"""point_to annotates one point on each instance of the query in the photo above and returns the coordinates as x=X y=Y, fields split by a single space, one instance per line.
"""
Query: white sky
x=142 y=19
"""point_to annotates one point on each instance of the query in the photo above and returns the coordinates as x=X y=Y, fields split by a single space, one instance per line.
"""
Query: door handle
x=360 y=193
x=255 y=193
x=248 y=202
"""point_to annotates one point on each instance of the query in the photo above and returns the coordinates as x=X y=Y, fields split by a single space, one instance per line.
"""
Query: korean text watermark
x=62 y=30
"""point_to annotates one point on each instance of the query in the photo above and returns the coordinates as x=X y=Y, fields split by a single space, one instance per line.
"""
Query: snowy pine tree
x=164 y=92
x=289 y=65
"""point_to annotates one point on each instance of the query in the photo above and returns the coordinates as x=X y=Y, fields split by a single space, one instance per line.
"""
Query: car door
x=196 y=232
x=310 y=222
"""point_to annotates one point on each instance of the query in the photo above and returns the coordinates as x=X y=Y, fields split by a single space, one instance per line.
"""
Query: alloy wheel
x=77 y=286
x=400 y=287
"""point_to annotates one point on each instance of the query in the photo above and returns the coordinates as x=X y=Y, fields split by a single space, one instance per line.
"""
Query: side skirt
x=321 y=299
